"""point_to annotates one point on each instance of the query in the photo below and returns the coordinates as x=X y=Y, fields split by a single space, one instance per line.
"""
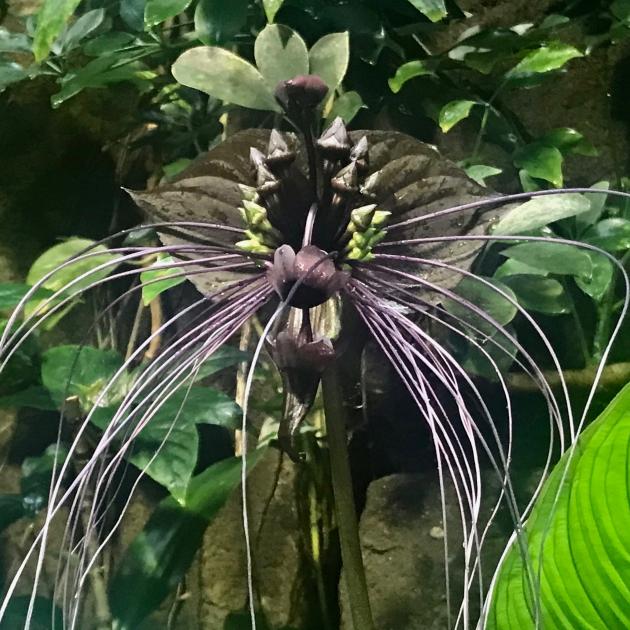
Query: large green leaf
x=160 y=555
x=540 y=294
x=557 y=258
x=81 y=371
x=329 y=58
x=51 y=19
x=541 y=211
x=545 y=59
x=581 y=523
x=224 y=75
x=280 y=54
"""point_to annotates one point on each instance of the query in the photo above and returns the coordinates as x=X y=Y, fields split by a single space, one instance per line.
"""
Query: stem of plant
x=344 y=501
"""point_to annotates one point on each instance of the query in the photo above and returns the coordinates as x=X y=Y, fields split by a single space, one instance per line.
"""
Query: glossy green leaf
x=568 y=140
x=329 y=57
x=578 y=538
x=481 y=172
x=280 y=54
x=160 y=555
x=80 y=29
x=557 y=258
x=12 y=292
x=515 y=268
x=454 y=112
x=346 y=106
x=107 y=43
x=435 y=10
x=160 y=277
x=406 y=72
x=224 y=75
x=598 y=282
x=81 y=371
x=613 y=235
x=545 y=59
x=540 y=211
x=271 y=8
x=156 y=11
x=491 y=302
x=217 y=21
x=540 y=294
x=598 y=203
x=51 y=19
x=541 y=161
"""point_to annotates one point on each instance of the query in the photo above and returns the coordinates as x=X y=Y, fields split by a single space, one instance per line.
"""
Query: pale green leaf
x=407 y=71
x=541 y=211
x=559 y=258
x=160 y=277
x=612 y=234
x=480 y=172
x=435 y=10
x=540 y=294
x=271 y=8
x=329 y=57
x=280 y=54
x=51 y=19
x=454 y=112
x=346 y=106
x=224 y=75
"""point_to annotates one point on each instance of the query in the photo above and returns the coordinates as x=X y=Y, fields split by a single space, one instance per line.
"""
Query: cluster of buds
x=366 y=229
x=262 y=237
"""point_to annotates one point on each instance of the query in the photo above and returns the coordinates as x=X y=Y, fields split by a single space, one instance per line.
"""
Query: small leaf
x=557 y=258
x=454 y=112
x=568 y=140
x=329 y=57
x=598 y=203
x=483 y=297
x=224 y=75
x=613 y=235
x=161 y=554
x=540 y=211
x=435 y=10
x=541 y=161
x=81 y=371
x=51 y=18
x=598 y=282
x=156 y=11
x=346 y=106
x=216 y=21
x=537 y=293
x=85 y=25
x=407 y=71
x=11 y=293
x=160 y=277
x=545 y=59
x=271 y=8
x=280 y=54
x=480 y=172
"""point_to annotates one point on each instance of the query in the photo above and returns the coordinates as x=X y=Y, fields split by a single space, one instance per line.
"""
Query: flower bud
x=334 y=143
x=301 y=92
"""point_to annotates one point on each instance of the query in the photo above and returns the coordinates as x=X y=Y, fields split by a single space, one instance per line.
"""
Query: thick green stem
x=344 y=501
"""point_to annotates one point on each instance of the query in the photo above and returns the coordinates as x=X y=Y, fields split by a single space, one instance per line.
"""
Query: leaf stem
x=344 y=501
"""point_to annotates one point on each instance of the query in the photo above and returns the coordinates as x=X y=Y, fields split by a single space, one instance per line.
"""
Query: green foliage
x=454 y=112
x=160 y=555
x=577 y=538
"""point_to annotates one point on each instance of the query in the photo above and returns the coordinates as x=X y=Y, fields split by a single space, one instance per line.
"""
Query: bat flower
x=335 y=230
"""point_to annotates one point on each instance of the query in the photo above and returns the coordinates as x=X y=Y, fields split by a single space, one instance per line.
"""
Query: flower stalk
x=345 y=511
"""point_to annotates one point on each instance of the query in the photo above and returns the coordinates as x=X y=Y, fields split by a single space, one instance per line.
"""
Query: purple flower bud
x=305 y=91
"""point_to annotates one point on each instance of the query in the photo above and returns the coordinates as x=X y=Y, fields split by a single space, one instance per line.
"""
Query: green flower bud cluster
x=262 y=237
x=365 y=230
